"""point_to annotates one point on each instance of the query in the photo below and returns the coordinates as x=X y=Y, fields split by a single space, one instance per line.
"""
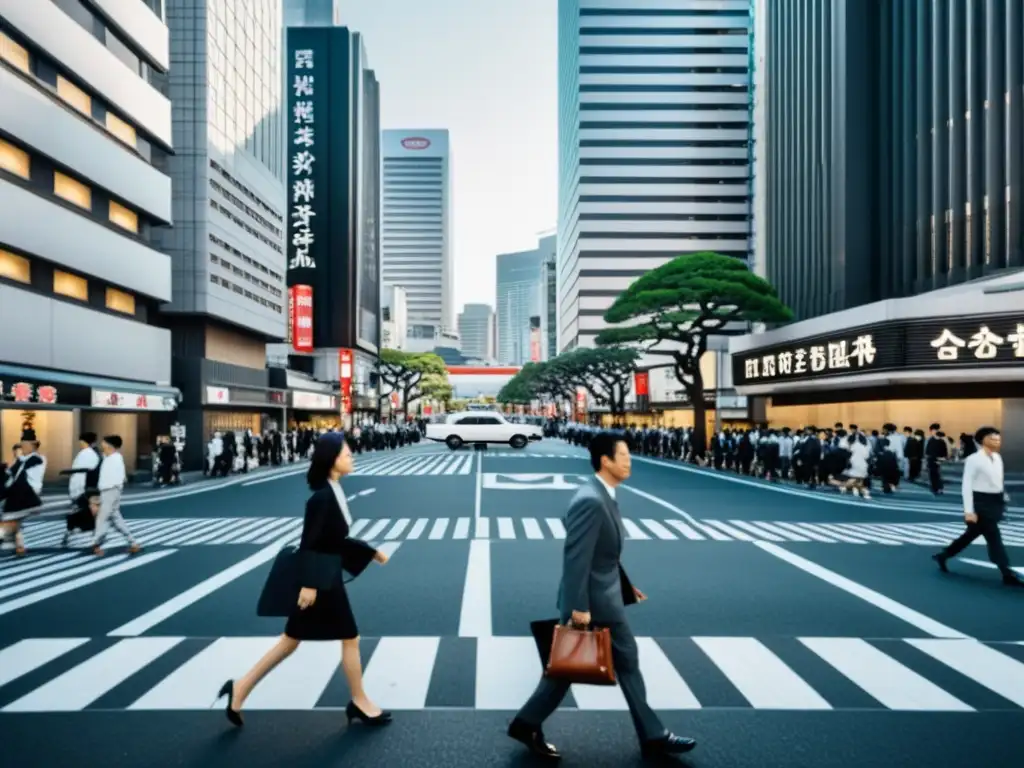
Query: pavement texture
x=784 y=627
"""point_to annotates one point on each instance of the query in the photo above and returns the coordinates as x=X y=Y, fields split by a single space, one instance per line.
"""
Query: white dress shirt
x=86 y=459
x=983 y=472
x=342 y=502
x=112 y=473
x=610 y=489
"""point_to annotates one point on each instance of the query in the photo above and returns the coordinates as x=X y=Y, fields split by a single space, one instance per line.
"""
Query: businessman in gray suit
x=595 y=590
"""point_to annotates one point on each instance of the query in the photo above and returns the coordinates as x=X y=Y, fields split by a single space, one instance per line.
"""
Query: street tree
x=606 y=373
x=680 y=305
x=404 y=373
x=522 y=387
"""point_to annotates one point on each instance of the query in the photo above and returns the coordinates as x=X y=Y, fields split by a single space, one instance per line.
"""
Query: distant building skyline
x=519 y=279
x=477 y=331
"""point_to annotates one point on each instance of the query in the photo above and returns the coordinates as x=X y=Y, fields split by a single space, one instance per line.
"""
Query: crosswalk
x=214 y=531
x=416 y=673
x=438 y=463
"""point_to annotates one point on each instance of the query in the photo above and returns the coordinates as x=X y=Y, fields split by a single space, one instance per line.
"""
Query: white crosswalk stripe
x=439 y=464
x=213 y=531
x=402 y=673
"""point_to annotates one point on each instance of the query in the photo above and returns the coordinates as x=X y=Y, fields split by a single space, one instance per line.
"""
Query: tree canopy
x=606 y=373
x=413 y=375
x=678 y=306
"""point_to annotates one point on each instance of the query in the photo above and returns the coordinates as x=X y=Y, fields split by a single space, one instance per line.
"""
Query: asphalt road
x=784 y=627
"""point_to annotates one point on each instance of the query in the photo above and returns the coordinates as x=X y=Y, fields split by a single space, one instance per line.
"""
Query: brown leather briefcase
x=581 y=656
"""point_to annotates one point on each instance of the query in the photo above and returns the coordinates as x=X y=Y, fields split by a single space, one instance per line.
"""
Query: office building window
x=122 y=130
x=15 y=267
x=119 y=301
x=124 y=217
x=73 y=286
x=14 y=54
x=15 y=160
x=73 y=191
x=74 y=96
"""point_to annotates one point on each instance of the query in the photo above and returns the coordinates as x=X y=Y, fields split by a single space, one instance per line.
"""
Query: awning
x=85 y=380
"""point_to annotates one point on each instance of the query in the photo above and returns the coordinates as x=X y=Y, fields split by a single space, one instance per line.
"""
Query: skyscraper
x=476 y=331
x=86 y=135
x=416 y=251
x=519 y=290
x=895 y=160
x=654 y=121
x=227 y=246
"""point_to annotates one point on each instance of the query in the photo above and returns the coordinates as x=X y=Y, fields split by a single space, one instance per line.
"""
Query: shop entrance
x=230 y=421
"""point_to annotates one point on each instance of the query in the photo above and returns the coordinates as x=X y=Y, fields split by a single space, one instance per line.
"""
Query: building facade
x=895 y=158
x=548 y=309
x=333 y=269
x=893 y=216
x=416 y=250
x=654 y=120
x=227 y=248
x=476 y=331
x=394 y=318
x=85 y=145
x=520 y=278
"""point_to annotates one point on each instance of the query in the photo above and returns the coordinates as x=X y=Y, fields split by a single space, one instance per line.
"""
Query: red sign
x=300 y=317
x=345 y=377
x=535 y=345
x=22 y=392
x=416 y=142
x=47 y=395
x=642 y=383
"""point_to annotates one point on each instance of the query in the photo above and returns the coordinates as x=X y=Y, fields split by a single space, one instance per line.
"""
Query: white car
x=482 y=427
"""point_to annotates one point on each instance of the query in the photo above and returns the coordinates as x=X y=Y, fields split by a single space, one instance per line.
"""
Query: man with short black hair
x=595 y=591
x=984 y=496
x=111 y=483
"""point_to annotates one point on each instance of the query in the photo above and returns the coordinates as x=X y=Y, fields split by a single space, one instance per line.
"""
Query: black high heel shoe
x=234 y=717
x=352 y=712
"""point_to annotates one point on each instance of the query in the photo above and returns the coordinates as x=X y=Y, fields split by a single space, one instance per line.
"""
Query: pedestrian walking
x=984 y=495
x=322 y=610
x=594 y=593
x=111 y=485
x=24 y=488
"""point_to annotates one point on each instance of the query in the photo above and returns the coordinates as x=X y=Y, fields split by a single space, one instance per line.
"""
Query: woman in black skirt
x=322 y=613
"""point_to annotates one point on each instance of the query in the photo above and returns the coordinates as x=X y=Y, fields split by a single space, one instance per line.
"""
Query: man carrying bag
x=594 y=593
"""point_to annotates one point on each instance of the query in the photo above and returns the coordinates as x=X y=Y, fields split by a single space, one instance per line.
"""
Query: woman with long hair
x=322 y=613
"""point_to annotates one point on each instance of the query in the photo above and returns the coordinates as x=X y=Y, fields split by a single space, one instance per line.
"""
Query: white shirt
x=610 y=489
x=87 y=459
x=342 y=502
x=112 y=472
x=983 y=472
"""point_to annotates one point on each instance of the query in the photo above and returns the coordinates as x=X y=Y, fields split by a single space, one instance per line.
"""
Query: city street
x=784 y=628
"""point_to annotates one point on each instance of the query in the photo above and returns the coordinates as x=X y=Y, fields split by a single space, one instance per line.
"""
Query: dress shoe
x=669 y=744
x=1012 y=580
x=533 y=739
x=941 y=559
x=352 y=712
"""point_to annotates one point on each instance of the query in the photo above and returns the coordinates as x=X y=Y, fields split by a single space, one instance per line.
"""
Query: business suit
x=592 y=581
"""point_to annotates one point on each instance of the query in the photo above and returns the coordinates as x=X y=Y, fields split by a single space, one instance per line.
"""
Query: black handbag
x=293 y=569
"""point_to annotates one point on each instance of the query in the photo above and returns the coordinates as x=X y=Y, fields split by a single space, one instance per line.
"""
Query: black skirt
x=329 y=618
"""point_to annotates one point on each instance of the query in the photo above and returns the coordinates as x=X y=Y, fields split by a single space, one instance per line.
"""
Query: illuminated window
x=119 y=301
x=14 y=160
x=74 y=96
x=13 y=53
x=73 y=191
x=15 y=267
x=72 y=286
x=121 y=129
x=124 y=217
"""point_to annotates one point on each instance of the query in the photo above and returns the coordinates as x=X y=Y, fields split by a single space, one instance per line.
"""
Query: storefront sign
x=642 y=383
x=25 y=392
x=300 y=317
x=314 y=401
x=131 y=401
x=345 y=378
x=302 y=252
x=218 y=395
x=939 y=343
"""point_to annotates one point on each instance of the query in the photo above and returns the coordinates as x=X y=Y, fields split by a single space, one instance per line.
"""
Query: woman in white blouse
x=858 y=465
x=985 y=499
x=322 y=610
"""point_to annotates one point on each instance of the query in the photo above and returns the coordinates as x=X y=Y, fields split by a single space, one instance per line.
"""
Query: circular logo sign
x=416 y=142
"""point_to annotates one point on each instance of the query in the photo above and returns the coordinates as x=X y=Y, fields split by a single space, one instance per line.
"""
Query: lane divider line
x=898 y=610
x=475 y=615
